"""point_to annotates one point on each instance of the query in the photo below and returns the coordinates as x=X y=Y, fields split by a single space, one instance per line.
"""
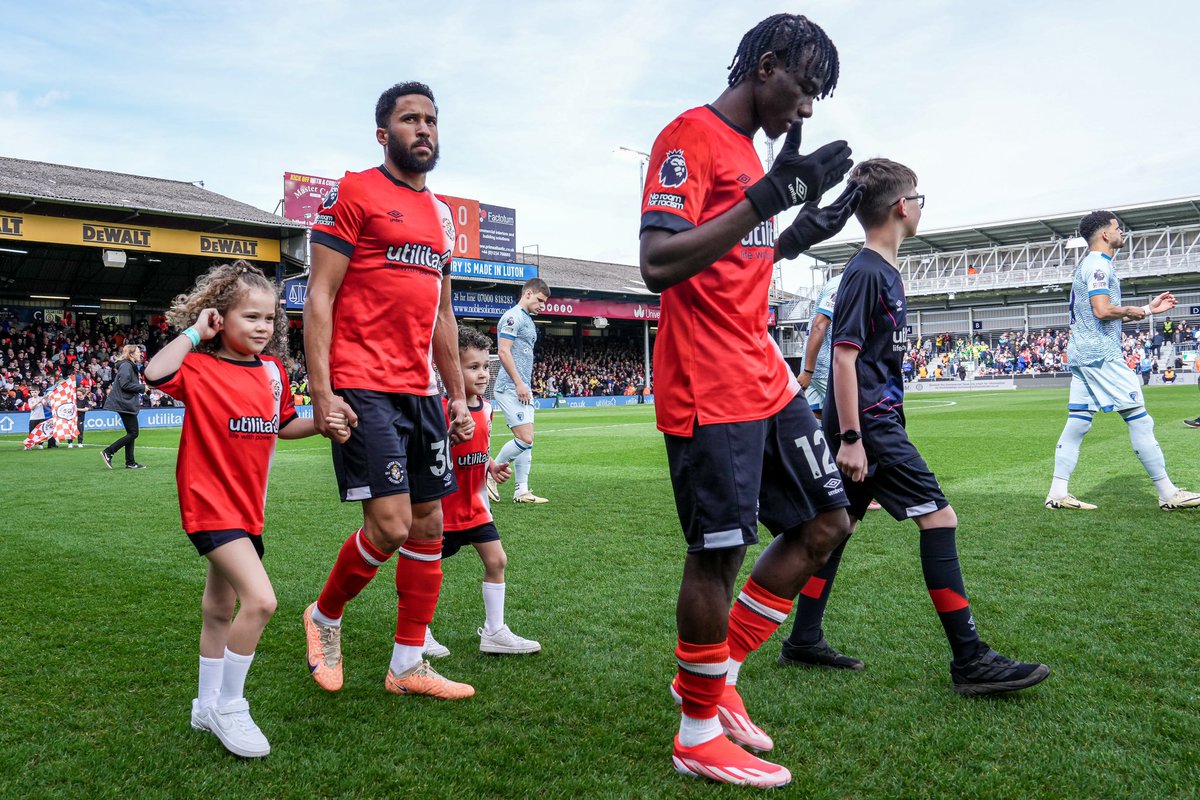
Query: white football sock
x=693 y=732
x=211 y=672
x=521 y=472
x=733 y=668
x=1066 y=454
x=324 y=620
x=510 y=451
x=493 y=606
x=1141 y=436
x=233 y=677
x=405 y=657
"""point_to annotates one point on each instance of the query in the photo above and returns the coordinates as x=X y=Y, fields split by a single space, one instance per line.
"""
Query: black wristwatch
x=850 y=437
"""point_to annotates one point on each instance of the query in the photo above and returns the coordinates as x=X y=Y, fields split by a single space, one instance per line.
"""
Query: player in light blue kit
x=517 y=336
x=1100 y=380
x=818 y=350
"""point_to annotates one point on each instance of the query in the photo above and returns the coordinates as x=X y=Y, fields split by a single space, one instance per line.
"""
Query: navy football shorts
x=905 y=490
x=401 y=446
x=453 y=541
x=729 y=476
x=207 y=541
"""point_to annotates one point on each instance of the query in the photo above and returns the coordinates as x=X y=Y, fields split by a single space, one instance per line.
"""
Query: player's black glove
x=814 y=225
x=796 y=179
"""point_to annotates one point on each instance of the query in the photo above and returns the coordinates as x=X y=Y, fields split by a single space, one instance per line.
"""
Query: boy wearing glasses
x=864 y=423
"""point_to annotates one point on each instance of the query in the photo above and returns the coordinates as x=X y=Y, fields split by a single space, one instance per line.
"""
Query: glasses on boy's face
x=920 y=198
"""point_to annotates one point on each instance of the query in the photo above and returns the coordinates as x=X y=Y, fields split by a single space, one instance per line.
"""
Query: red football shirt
x=714 y=360
x=234 y=412
x=469 y=507
x=400 y=242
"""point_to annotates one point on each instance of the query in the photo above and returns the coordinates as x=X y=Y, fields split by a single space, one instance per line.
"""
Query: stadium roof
x=577 y=275
x=1145 y=216
x=591 y=276
x=57 y=183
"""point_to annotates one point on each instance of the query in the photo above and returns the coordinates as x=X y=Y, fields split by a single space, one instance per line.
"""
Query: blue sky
x=1005 y=110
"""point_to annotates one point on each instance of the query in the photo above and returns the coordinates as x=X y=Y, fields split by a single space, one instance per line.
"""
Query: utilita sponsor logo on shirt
x=899 y=341
x=254 y=425
x=471 y=459
x=763 y=235
x=416 y=255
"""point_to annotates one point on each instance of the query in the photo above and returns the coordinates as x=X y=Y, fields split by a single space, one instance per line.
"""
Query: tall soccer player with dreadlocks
x=742 y=444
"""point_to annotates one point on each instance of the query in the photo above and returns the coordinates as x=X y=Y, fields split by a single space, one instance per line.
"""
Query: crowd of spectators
x=39 y=355
x=946 y=356
x=591 y=368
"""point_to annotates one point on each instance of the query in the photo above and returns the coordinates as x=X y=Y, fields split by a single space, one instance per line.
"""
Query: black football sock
x=810 y=605
x=943 y=579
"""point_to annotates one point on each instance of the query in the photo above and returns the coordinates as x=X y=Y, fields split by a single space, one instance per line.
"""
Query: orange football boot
x=723 y=761
x=423 y=679
x=324 y=651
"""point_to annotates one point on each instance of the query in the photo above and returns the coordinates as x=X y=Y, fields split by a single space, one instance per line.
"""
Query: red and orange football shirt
x=234 y=412
x=400 y=242
x=468 y=507
x=714 y=361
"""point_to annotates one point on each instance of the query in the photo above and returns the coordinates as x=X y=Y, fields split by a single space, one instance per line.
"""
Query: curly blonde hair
x=222 y=287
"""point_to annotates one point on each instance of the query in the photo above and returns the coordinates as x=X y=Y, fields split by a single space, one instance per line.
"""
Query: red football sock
x=755 y=615
x=356 y=564
x=701 y=677
x=418 y=584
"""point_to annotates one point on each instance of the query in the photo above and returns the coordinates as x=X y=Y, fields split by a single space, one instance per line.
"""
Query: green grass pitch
x=99 y=619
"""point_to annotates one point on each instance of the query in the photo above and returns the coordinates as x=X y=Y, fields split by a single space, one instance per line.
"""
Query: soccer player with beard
x=378 y=307
x=742 y=444
x=1100 y=379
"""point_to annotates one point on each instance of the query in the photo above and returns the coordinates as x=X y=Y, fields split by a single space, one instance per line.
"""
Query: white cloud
x=50 y=98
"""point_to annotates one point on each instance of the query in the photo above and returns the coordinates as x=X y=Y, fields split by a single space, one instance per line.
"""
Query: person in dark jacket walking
x=123 y=399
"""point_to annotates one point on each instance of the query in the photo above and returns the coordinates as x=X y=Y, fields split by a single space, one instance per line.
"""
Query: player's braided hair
x=1094 y=222
x=797 y=41
x=387 y=100
x=472 y=338
x=221 y=288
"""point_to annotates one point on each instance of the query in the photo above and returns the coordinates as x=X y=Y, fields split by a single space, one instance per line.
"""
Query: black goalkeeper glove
x=796 y=179
x=814 y=225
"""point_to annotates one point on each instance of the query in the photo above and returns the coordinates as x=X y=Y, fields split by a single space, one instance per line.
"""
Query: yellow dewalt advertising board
x=113 y=236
